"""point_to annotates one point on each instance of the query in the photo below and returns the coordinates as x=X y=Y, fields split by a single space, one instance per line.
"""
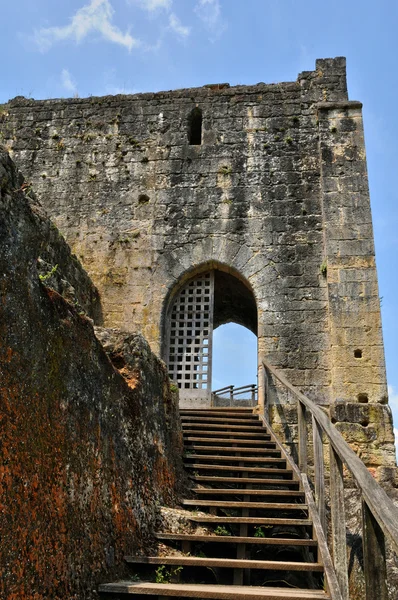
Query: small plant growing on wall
x=225 y=170
x=49 y=274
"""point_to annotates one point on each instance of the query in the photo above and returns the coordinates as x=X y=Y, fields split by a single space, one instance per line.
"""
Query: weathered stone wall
x=276 y=193
x=87 y=453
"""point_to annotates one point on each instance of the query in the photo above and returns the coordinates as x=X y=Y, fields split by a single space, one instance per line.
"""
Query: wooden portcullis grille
x=191 y=334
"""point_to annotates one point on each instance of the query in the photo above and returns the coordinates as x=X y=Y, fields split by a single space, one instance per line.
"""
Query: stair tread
x=224 y=592
x=232 y=563
x=262 y=435
x=213 y=467
x=255 y=480
x=250 y=422
x=235 y=409
x=229 y=426
x=214 y=440
x=234 y=539
x=234 y=449
x=251 y=520
x=218 y=415
x=237 y=492
x=235 y=458
x=228 y=504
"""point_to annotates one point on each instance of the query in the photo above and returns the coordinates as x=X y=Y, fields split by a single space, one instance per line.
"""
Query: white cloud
x=152 y=5
x=68 y=83
x=209 y=11
x=94 y=17
x=178 y=28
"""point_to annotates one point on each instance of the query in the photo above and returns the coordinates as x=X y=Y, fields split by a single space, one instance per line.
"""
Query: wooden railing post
x=337 y=510
x=319 y=475
x=374 y=554
x=302 y=436
x=253 y=393
x=231 y=394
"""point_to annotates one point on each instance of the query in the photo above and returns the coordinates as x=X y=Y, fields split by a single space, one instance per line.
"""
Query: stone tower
x=197 y=207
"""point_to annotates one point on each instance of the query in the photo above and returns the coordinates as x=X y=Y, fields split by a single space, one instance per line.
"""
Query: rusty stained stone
x=85 y=460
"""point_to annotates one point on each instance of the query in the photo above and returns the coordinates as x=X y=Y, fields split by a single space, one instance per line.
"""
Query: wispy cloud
x=68 y=83
x=177 y=27
x=152 y=5
x=209 y=11
x=94 y=17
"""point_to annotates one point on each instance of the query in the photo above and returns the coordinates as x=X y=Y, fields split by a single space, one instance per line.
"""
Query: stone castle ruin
x=193 y=208
x=198 y=207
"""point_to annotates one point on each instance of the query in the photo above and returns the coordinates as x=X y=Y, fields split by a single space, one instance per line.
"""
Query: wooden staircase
x=262 y=541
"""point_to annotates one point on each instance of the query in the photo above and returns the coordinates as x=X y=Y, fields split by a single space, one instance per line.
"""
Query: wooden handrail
x=227 y=388
x=383 y=509
x=232 y=392
x=379 y=514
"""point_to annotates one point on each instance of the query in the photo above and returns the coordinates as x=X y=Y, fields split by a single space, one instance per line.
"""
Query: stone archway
x=199 y=304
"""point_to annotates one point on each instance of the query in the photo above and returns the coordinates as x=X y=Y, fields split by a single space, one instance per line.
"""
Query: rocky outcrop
x=87 y=456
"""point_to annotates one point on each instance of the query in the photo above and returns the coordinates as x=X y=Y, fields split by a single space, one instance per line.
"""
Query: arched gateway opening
x=199 y=304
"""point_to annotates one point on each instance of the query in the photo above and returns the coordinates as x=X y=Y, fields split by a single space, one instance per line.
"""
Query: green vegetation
x=162 y=575
x=259 y=532
x=324 y=268
x=220 y=530
x=225 y=170
x=134 y=142
x=48 y=275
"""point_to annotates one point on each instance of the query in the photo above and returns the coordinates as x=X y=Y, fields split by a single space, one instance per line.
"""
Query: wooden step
x=252 y=422
x=222 y=409
x=197 y=561
x=238 y=492
x=233 y=449
x=253 y=480
x=232 y=539
x=222 y=592
x=235 y=434
x=217 y=413
x=214 y=440
x=229 y=427
x=232 y=504
x=251 y=520
x=233 y=468
x=245 y=459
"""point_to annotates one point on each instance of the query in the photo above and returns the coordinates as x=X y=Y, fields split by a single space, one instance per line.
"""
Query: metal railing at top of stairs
x=230 y=393
x=379 y=514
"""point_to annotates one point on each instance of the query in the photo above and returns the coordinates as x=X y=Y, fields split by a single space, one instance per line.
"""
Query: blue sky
x=97 y=47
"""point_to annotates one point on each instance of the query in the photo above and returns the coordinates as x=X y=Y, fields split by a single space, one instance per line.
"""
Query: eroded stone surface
x=86 y=459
